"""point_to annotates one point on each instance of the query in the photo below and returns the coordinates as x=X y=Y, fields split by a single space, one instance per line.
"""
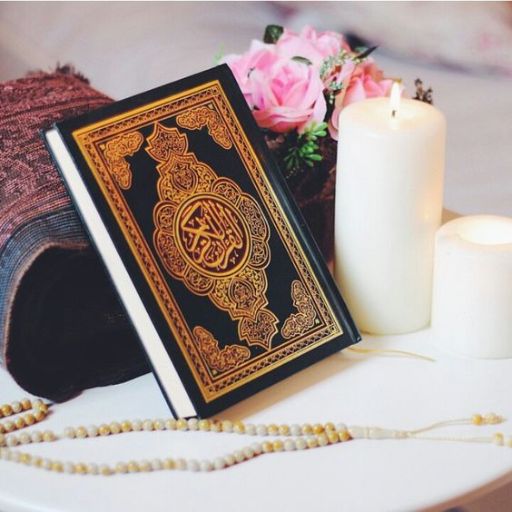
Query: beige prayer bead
x=267 y=447
x=322 y=440
x=105 y=470
x=333 y=437
x=30 y=419
x=498 y=439
x=126 y=426
x=81 y=432
x=312 y=442
x=273 y=430
x=284 y=430
x=26 y=404
x=104 y=430
x=147 y=425
x=238 y=427
x=25 y=438
x=93 y=469
x=204 y=425
x=159 y=424
x=133 y=467
x=41 y=407
x=216 y=426
x=145 y=466
x=57 y=466
x=168 y=464
x=121 y=468
x=6 y=410
x=307 y=429
x=16 y=407
x=227 y=426
x=181 y=424
x=318 y=429
x=48 y=436
x=170 y=424
x=39 y=416
x=9 y=426
x=278 y=445
x=115 y=428
x=477 y=419
x=26 y=458
x=344 y=436
x=80 y=468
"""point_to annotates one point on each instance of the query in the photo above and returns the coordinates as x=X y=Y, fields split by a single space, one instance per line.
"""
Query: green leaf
x=302 y=151
x=316 y=130
x=272 y=34
x=366 y=53
x=302 y=60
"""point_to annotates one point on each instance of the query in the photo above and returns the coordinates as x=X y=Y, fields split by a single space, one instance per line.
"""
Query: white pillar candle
x=389 y=194
x=472 y=297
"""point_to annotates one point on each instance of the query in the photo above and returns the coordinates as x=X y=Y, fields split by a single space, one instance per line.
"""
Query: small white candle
x=388 y=207
x=472 y=297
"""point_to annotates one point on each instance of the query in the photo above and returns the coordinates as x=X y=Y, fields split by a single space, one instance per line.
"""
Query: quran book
x=209 y=254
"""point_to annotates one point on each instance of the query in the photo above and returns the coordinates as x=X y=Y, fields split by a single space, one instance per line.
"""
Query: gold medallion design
x=304 y=320
x=212 y=236
x=219 y=360
x=115 y=151
x=197 y=118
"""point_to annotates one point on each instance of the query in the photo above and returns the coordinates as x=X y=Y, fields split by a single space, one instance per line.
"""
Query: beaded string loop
x=296 y=437
x=39 y=408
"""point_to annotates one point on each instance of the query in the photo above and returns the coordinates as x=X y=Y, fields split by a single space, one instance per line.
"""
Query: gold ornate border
x=211 y=95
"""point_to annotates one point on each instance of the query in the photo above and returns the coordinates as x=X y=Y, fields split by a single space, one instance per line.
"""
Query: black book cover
x=210 y=255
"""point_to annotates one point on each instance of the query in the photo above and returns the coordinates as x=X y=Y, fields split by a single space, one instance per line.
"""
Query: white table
x=356 y=476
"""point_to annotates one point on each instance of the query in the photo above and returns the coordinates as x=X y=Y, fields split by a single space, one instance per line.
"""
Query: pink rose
x=287 y=95
x=314 y=46
x=259 y=56
x=360 y=82
x=367 y=81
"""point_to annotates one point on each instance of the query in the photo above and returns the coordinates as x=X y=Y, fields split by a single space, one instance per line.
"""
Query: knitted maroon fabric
x=61 y=324
x=29 y=185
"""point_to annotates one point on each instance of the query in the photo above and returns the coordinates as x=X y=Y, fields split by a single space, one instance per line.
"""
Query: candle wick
x=393 y=113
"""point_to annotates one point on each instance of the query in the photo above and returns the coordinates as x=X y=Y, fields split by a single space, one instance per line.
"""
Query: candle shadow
x=294 y=384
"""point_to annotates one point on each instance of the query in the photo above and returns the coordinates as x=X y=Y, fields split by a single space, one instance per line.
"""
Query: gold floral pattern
x=115 y=151
x=212 y=236
x=304 y=320
x=219 y=360
x=197 y=118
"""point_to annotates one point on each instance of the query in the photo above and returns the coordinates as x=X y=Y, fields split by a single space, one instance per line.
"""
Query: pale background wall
x=125 y=48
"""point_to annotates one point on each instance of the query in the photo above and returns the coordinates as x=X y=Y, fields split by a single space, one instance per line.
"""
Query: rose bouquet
x=296 y=84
